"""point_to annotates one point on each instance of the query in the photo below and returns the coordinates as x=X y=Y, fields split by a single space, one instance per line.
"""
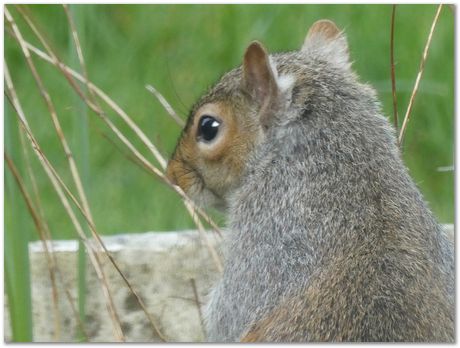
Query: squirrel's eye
x=208 y=128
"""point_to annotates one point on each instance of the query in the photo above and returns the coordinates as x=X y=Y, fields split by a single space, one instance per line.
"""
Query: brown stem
x=419 y=76
x=392 y=63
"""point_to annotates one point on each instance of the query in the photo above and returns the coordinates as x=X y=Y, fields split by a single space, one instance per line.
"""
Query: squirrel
x=328 y=238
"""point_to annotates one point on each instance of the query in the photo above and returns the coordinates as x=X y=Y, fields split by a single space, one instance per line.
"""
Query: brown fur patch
x=217 y=164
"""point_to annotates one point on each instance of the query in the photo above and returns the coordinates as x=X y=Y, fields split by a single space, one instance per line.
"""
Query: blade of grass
x=81 y=147
x=16 y=253
x=80 y=141
x=39 y=227
x=77 y=44
x=419 y=77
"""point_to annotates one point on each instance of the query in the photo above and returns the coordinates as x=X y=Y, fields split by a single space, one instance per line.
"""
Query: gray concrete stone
x=159 y=266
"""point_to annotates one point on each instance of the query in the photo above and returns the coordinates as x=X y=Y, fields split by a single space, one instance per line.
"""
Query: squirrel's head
x=238 y=112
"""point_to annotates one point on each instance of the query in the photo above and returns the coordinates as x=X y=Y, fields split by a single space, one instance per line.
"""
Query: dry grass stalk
x=200 y=227
x=52 y=110
x=44 y=235
x=203 y=236
x=57 y=183
x=71 y=161
x=169 y=109
x=69 y=72
x=198 y=305
x=78 y=49
x=53 y=59
x=392 y=63
x=38 y=222
x=99 y=272
x=53 y=56
x=87 y=216
x=124 y=153
x=48 y=247
x=419 y=76
x=187 y=201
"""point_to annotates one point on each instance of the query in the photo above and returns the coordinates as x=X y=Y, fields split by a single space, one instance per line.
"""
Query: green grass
x=17 y=234
x=182 y=50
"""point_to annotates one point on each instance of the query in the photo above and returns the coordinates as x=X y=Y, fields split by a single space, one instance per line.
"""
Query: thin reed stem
x=16 y=240
x=198 y=304
x=419 y=77
x=81 y=145
x=166 y=105
x=392 y=63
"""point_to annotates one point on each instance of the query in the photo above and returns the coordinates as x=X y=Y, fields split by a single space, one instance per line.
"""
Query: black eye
x=208 y=128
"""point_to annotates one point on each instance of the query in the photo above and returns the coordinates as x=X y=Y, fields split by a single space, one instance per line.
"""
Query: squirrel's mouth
x=194 y=186
x=183 y=173
x=206 y=197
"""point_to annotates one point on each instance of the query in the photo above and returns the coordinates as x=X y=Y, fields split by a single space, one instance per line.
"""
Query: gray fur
x=325 y=192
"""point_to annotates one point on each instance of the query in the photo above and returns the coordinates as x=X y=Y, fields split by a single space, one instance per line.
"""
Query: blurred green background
x=182 y=50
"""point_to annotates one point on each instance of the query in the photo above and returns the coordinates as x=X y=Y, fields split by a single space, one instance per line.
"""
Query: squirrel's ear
x=259 y=79
x=325 y=39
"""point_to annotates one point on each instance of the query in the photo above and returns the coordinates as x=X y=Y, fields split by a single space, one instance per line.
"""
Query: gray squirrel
x=328 y=238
